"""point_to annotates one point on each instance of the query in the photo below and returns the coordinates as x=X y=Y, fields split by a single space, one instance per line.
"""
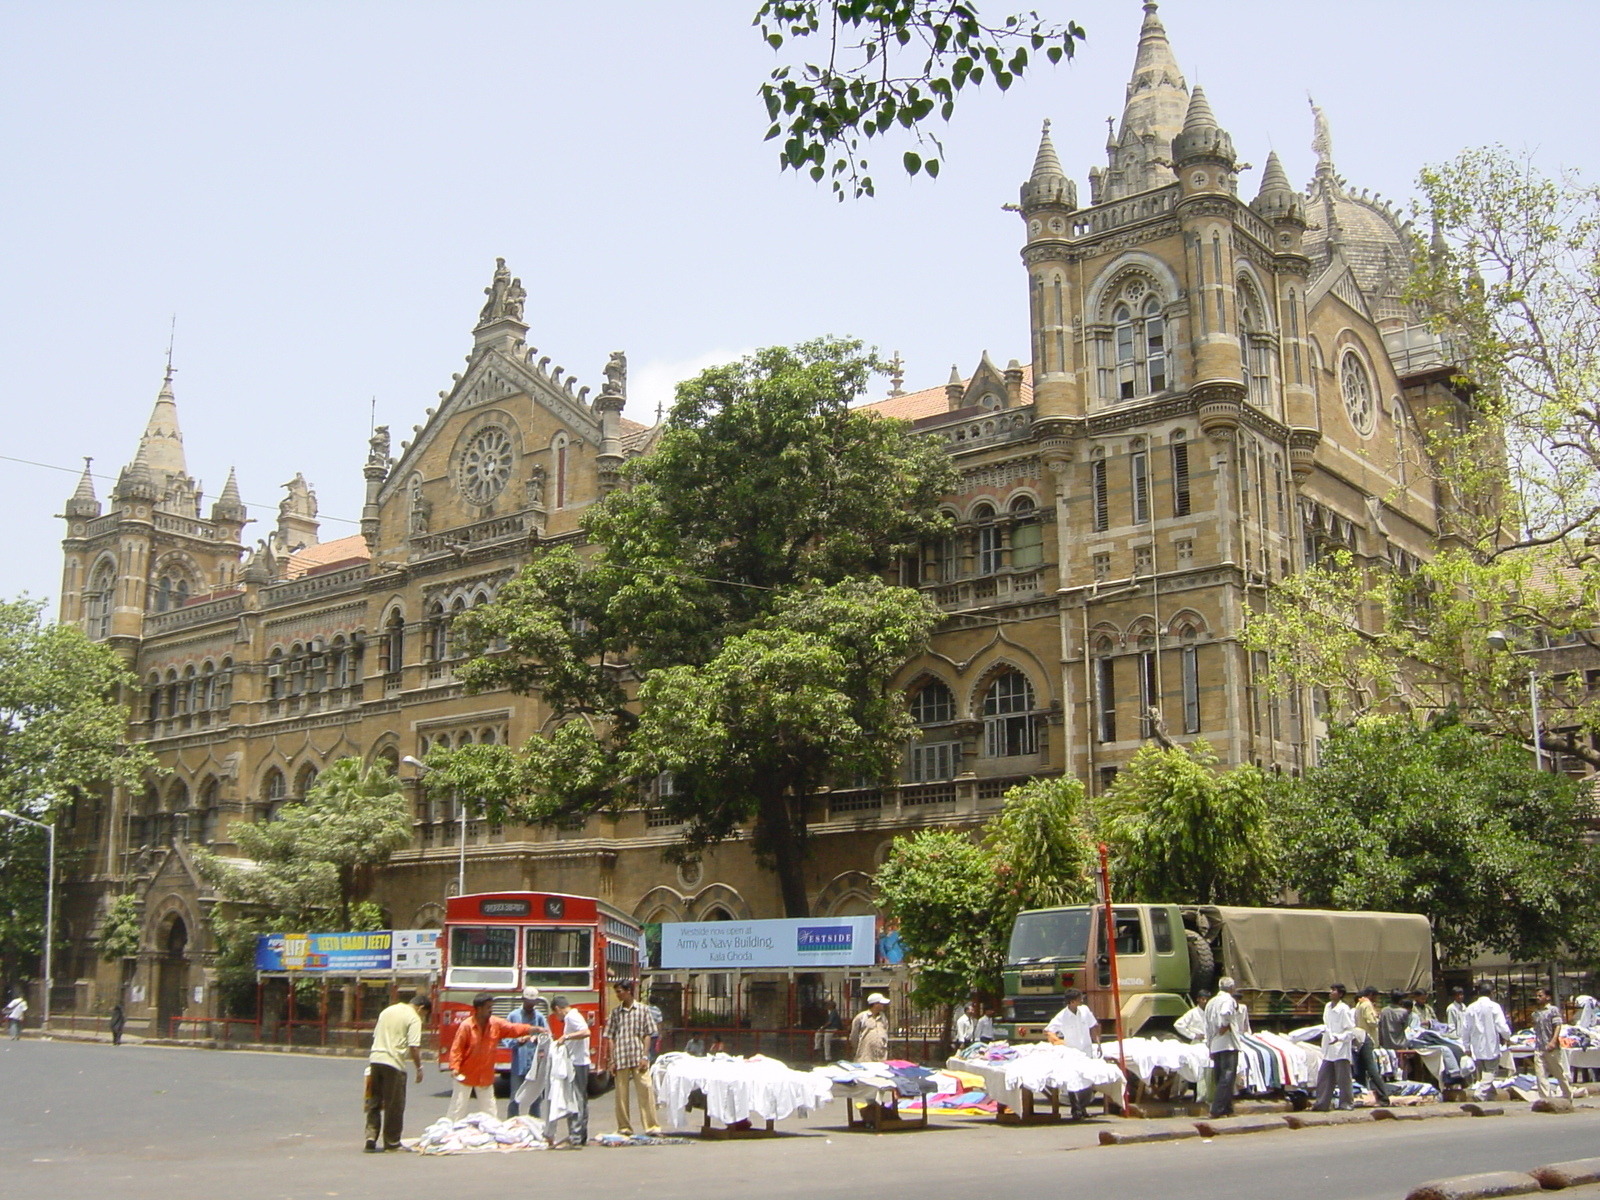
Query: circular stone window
x=690 y=874
x=1356 y=385
x=485 y=465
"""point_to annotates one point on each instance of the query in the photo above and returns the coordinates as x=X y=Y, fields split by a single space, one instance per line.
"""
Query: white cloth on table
x=1039 y=1068
x=1147 y=1055
x=1588 y=1012
x=736 y=1089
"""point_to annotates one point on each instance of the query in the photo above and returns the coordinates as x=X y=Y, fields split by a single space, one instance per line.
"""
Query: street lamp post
x=1500 y=640
x=461 y=813
x=49 y=910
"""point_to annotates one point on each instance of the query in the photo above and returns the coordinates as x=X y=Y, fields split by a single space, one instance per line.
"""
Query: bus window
x=482 y=956
x=558 y=958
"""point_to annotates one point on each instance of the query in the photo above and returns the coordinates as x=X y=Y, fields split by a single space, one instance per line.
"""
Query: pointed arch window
x=988 y=540
x=1255 y=347
x=1134 y=361
x=933 y=703
x=1008 y=725
x=560 y=448
x=101 y=586
x=273 y=789
x=394 y=643
x=1027 y=535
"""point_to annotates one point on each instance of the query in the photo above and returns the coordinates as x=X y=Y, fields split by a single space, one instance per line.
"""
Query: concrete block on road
x=1134 y=1133
x=1223 y=1126
x=1311 y=1120
x=1555 y=1104
x=1560 y=1175
x=1485 y=1186
x=1416 y=1114
x=1483 y=1110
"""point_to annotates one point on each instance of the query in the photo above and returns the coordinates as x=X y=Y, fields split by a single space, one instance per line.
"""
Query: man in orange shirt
x=472 y=1058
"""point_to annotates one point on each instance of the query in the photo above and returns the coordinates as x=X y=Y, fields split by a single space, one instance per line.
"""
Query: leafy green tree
x=953 y=898
x=318 y=858
x=1450 y=822
x=729 y=628
x=1178 y=829
x=119 y=932
x=892 y=65
x=61 y=738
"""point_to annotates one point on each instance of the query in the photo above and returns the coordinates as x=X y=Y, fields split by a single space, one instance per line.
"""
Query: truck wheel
x=1202 y=963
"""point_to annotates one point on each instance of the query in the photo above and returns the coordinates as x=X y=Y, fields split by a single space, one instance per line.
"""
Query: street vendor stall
x=735 y=1091
x=1015 y=1075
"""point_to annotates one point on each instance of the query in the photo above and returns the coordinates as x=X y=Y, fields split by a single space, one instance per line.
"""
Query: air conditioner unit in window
x=297 y=666
x=275 y=671
x=316 y=664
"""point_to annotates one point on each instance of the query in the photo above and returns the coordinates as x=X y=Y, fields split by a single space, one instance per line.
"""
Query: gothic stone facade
x=1219 y=391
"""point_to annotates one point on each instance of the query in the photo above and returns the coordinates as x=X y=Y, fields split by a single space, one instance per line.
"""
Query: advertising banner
x=326 y=953
x=418 y=950
x=789 y=943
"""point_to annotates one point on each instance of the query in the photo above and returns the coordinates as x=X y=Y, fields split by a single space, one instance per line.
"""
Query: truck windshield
x=1052 y=934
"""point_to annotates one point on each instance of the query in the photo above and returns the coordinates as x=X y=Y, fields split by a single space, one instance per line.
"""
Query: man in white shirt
x=1338 y=1042
x=575 y=1039
x=1075 y=1027
x=15 y=1011
x=984 y=1030
x=1222 y=1019
x=1456 y=1015
x=965 y=1024
x=1485 y=1031
x=1192 y=1025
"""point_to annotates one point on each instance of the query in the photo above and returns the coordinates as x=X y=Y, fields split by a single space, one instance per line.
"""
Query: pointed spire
x=229 y=507
x=955 y=391
x=1046 y=164
x=84 y=503
x=1152 y=115
x=1049 y=183
x=1277 y=199
x=1199 y=115
x=162 y=443
x=1202 y=137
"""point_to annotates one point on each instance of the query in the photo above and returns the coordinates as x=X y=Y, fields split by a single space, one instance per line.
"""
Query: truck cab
x=1053 y=949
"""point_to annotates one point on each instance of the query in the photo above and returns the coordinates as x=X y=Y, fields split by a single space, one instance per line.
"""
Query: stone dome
x=1373 y=238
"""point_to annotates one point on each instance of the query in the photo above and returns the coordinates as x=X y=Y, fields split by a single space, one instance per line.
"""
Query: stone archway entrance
x=172 y=977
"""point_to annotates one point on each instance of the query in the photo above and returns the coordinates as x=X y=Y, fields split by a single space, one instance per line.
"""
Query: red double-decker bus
x=502 y=942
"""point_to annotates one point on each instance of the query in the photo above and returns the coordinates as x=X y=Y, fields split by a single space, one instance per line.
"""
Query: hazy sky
x=318 y=191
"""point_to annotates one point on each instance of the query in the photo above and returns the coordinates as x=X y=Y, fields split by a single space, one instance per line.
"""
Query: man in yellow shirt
x=397 y=1035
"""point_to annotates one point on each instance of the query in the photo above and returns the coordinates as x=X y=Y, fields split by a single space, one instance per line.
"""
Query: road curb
x=1226 y=1126
x=1568 y=1174
x=1314 y=1120
x=1140 y=1135
x=1484 y=1186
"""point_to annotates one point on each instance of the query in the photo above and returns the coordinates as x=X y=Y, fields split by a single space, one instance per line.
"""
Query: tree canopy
x=1450 y=822
x=1178 y=829
x=726 y=644
x=891 y=66
x=62 y=731
x=953 y=897
x=316 y=860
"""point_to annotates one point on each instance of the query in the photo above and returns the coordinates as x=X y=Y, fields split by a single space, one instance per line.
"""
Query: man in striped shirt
x=629 y=1028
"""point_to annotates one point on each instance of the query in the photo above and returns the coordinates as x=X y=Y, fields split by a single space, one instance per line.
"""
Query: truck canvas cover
x=1306 y=949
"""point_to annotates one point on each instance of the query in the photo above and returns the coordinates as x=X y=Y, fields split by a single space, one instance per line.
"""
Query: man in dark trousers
x=397 y=1036
x=119 y=1021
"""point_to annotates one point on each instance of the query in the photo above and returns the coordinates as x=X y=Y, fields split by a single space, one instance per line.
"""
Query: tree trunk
x=785 y=840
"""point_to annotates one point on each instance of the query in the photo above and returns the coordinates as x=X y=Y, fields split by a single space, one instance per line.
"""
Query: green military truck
x=1283 y=959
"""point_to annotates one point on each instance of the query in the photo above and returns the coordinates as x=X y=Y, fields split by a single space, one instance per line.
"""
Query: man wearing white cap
x=525 y=1051
x=869 y=1032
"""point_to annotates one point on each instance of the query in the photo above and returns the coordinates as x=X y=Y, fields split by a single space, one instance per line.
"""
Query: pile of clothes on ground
x=480 y=1133
x=732 y=1089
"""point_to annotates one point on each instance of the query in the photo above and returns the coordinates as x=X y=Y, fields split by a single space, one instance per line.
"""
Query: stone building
x=1218 y=390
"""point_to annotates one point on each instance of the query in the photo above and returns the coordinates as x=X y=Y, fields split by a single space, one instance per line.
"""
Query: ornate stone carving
x=505 y=294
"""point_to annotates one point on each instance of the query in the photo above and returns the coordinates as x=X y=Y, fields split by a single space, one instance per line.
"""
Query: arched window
x=305 y=781
x=559 y=447
x=225 y=685
x=1027 y=535
x=191 y=691
x=1255 y=346
x=208 y=688
x=276 y=684
x=932 y=703
x=1008 y=724
x=210 y=802
x=1133 y=363
x=456 y=609
x=438 y=633
x=273 y=790
x=98 y=600
x=154 y=710
x=174 y=695
x=394 y=643
x=988 y=540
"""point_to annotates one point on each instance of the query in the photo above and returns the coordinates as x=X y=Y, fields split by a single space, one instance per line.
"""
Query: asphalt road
x=85 y=1120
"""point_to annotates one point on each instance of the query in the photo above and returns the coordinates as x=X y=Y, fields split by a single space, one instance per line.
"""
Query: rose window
x=1357 y=388
x=486 y=465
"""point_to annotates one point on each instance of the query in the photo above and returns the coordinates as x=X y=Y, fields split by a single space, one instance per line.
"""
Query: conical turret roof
x=84 y=503
x=1202 y=137
x=162 y=443
x=1157 y=94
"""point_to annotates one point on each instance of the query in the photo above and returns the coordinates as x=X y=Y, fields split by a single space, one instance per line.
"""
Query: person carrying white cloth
x=1075 y=1027
x=1485 y=1031
x=1338 y=1042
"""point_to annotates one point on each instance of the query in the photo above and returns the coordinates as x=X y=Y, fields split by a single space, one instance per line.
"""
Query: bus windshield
x=483 y=946
x=1060 y=933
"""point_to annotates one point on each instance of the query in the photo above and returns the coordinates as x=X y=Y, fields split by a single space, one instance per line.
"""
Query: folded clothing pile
x=1038 y=1067
x=479 y=1133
